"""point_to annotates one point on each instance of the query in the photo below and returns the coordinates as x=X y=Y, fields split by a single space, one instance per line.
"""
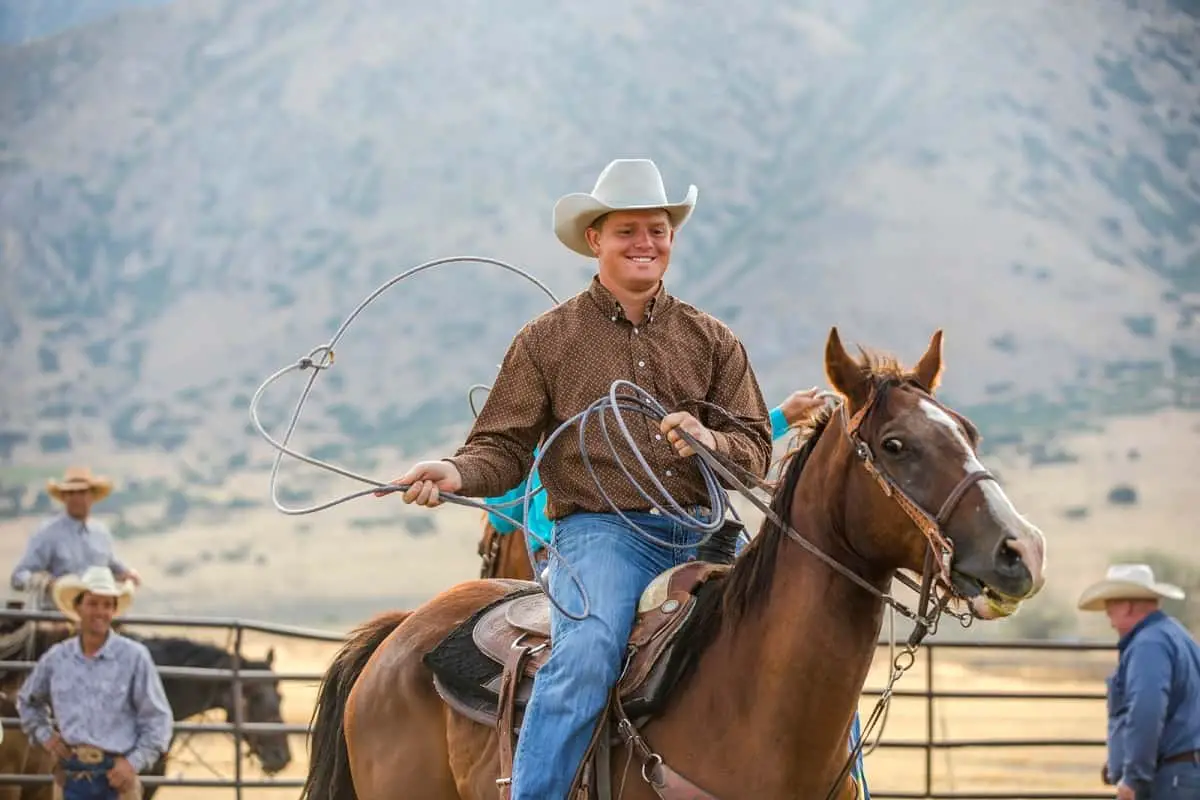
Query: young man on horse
x=624 y=325
x=72 y=541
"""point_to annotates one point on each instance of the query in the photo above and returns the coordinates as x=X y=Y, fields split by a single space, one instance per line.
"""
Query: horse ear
x=929 y=368
x=845 y=374
x=270 y=656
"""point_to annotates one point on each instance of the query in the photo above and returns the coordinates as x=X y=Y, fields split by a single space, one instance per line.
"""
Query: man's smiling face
x=633 y=247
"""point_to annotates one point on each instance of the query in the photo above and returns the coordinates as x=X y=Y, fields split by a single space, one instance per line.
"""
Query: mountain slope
x=194 y=195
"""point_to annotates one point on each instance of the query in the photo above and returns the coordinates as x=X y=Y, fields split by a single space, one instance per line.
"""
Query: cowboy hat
x=79 y=479
x=1127 y=582
x=626 y=184
x=97 y=580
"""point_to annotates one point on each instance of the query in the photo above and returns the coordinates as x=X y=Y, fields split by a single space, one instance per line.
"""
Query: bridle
x=936 y=572
x=940 y=553
x=936 y=569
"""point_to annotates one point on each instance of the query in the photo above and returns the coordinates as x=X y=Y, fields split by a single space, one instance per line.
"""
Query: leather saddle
x=484 y=669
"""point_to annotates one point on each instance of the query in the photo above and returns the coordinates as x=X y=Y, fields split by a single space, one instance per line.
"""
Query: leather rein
x=669 y=784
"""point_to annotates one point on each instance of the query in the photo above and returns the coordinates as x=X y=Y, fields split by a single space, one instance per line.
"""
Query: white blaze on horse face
x=1029 y=543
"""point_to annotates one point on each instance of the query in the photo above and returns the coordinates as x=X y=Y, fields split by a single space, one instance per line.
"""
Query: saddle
x=484 y=669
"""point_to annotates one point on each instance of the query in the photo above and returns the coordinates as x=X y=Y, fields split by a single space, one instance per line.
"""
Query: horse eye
x=893 y=445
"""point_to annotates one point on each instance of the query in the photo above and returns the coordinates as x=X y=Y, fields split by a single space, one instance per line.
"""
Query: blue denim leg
x=739 y=544
x=614 y=564
x=1179 y=781
x=94 y=786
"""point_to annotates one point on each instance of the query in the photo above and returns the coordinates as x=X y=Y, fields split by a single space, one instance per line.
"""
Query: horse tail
x=329 y=762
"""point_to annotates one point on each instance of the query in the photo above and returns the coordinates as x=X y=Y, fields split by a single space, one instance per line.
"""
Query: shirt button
x=641 y=363
x=669 y=473
x=658 y=437
x=614 y=319
x=635 y=330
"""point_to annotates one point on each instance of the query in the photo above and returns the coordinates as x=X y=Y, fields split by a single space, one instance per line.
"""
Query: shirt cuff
x=473 y=483
x=779 y=423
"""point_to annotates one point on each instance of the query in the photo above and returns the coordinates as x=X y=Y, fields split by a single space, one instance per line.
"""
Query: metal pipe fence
x=928 y=744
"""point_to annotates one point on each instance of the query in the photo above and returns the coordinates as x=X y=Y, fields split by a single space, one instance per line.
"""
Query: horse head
x=261 y=702
x=924 y=491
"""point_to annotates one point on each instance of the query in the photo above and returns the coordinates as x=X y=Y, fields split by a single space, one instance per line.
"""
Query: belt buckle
x=88 y=754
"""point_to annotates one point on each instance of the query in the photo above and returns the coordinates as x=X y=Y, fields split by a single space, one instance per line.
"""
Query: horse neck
x=190 y=696
x=788 y=674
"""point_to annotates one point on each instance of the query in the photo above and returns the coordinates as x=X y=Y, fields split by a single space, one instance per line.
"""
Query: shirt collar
x=77 y=524
x=77 y=646
x=611 y=307
x=1153 y=618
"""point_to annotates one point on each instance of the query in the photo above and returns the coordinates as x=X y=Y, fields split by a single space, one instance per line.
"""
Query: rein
x=936 y=568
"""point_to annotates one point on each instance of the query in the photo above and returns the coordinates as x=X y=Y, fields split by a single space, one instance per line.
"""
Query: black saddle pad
x=457 y=661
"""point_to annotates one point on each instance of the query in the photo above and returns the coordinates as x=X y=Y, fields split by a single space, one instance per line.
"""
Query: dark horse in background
x=188 y=697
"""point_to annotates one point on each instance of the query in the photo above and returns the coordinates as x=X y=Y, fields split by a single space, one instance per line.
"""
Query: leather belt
x=1192 y=756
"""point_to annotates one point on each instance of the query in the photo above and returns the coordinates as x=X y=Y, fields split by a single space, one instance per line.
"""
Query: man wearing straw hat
x=111 y=718
x=71 y=541
x=1154 y=694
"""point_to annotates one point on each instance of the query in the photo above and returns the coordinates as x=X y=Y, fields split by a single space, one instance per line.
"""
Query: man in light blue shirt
x=1154 y=694
x=95 y=701
x=72 y=541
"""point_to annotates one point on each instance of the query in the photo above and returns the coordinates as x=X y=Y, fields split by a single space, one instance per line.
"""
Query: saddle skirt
x=469 y=664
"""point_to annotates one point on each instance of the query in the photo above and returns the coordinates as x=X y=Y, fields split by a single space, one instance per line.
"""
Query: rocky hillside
x=193 y=195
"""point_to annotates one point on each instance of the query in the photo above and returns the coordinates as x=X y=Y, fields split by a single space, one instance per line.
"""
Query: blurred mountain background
x=195 y=193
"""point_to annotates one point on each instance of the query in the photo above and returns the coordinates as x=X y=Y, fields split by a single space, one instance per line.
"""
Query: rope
x=623 y=396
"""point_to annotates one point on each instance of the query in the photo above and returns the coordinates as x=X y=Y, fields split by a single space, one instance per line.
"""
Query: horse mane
x=179 y=651
x=755 y=570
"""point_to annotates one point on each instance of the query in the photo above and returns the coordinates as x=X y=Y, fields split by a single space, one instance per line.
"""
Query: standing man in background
x=1154 y=694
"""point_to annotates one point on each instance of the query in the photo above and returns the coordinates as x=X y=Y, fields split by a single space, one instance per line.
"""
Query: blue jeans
x=615 y=565
x=88 y=781
x=1179 y=781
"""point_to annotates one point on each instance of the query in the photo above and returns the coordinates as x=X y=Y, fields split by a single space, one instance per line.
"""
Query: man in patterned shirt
x=112 y=715
x=624 y=325
x=72 y=541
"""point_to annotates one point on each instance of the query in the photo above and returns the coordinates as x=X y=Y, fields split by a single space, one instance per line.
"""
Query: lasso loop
x=617 y=402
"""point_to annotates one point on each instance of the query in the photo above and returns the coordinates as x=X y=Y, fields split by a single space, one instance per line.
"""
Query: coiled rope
x=623 y=396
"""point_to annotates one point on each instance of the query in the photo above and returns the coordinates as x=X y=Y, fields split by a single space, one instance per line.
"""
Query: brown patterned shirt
x=564 y=360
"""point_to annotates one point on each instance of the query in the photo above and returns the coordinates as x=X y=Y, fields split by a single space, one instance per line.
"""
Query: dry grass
x=992 y=769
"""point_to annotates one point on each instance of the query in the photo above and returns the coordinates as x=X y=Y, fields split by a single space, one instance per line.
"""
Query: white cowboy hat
x=97 y=580
x=626 y=184
x=79 y=478
x=1127 y=582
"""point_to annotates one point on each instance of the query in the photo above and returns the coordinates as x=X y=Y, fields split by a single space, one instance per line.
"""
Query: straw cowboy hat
x=97 y=580
x=1127 y=582
x=626 y=184
x=79 y=478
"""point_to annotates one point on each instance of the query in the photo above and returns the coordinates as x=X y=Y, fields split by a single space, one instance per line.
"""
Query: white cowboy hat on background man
x=79 y=479
x=1127 y=582
x=626 y=184
x=97 y=580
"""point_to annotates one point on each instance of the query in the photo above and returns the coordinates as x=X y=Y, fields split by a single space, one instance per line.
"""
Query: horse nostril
x=1008 y=558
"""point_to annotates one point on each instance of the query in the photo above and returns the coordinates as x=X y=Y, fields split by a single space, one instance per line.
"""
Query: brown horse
x=781 y=646
x=503 y=555
x=18 y=756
